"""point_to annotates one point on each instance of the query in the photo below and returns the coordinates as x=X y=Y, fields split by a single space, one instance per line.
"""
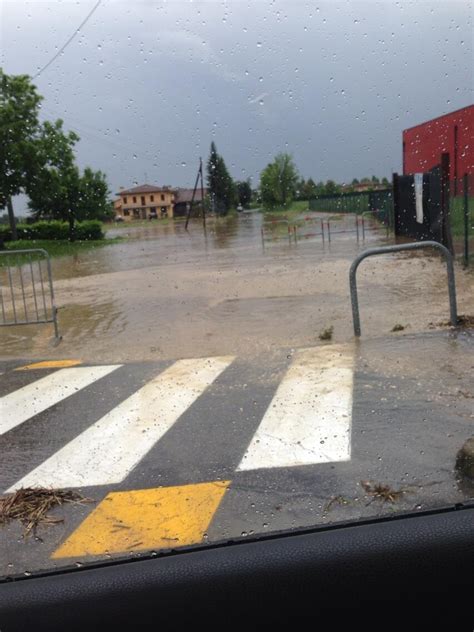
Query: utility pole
x=11 y=219
x=202 y=196
x=199 y=175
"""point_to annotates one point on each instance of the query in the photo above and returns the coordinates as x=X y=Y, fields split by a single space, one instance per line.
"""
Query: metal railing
x=371 y=214
x=308 y=228
x=26 y=289
x=271 y=230
x=383 y=250
x=344 y=231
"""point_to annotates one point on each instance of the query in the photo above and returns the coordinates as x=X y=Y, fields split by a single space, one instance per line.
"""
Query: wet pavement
x=192 y=398
x=398 y=416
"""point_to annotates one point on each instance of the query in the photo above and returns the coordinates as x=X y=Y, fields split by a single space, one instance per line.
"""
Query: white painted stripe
x=17 y=407
x=108 y=450
x=309 y=419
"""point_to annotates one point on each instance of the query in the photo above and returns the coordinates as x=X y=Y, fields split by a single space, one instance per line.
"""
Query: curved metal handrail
x=388 y=249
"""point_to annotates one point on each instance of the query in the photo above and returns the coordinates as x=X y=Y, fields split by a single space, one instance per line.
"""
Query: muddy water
x=165 y=292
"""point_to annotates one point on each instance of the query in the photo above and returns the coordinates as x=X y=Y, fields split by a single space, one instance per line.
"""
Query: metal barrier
x=271 y=227
x=369 y=213
x=340 y=232
x=311 y=223
x=388 y=249
x=26 y=289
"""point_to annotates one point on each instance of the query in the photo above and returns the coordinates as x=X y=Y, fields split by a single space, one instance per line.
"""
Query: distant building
x=449 y=137
x=182 y=200
x=144 y=202
x=360 y=187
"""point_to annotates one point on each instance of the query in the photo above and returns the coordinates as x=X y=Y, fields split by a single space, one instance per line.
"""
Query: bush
x=89 y=229
x=5 y=233
x=55 y=230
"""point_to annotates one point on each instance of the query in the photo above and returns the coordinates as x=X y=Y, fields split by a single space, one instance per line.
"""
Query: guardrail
x=26 y=289
x=383 y=250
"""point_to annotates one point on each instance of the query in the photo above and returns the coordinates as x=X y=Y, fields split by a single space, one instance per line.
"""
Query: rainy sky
x=148 y=85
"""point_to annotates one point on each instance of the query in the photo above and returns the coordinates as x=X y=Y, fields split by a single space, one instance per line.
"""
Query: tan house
x=144 y=202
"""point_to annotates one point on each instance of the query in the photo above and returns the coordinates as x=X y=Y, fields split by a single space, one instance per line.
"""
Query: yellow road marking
x=49 y=364
x=150 y=519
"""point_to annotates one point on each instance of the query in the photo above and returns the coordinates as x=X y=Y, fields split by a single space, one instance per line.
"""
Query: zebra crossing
x=289 y=413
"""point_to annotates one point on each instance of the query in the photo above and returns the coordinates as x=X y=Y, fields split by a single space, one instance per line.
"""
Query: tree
x=320 y=188
x=58 y=190
x=244 y=192
x=278 y=182
x=355 y=181
x=222 y=190
x=331 y=188
x=93 y=200
x=385 y=182
x=19 y=107
x=310 y=189
x=300 y=189
x=375 y=180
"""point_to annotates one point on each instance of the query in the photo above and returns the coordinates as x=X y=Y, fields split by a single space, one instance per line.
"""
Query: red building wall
x=451 y=133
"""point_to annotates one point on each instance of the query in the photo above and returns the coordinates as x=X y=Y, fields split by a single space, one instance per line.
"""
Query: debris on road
x=31 y=505
x=340 y=500
x=398 y=327
x=465 y=459
x=379 y=491
x=326 y=334
x=465 y=321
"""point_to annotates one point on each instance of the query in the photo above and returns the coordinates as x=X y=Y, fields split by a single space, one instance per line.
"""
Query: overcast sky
x=148 y=84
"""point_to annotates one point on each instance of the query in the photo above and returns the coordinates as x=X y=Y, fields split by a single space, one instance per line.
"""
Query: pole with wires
x=188 y=216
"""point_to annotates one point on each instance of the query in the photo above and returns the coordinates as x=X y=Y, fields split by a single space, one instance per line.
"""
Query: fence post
x=329 y=232
x=322 y=230
x=466 y=220
x=357 y=227
x=395 y=205
x=363 y=227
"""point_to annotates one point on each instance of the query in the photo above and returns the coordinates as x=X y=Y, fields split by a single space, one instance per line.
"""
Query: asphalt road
x=178 y=453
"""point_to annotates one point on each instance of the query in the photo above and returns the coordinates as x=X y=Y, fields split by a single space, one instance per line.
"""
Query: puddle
x=165 y=292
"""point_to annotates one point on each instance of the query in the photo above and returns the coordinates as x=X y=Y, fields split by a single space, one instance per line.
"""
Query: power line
x=68 y=41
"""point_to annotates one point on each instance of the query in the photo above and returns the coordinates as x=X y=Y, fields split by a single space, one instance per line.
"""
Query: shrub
x=5 y=233
x=55 y=230
x=89 y=229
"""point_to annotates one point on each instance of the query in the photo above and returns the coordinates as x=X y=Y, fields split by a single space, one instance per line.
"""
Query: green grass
x=55 y=248
x=291 y=213
x=457 y=216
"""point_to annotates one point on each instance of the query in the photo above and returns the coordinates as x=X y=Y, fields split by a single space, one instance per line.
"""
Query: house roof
x=186 y=195
x=144 y=188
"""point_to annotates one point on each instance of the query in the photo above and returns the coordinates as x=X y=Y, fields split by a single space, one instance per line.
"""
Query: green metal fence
x=380 y=203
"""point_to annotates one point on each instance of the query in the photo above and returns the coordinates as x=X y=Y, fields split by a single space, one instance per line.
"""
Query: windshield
x=222 y=314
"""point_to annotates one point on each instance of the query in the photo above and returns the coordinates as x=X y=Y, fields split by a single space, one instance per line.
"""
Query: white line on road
x=28 y=401
x=309 y=419
x=106 y=452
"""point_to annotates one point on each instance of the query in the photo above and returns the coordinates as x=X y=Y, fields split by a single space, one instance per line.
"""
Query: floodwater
x=164 y=292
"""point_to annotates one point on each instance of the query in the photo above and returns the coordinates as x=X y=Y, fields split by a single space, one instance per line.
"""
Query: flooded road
x=165 y=292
